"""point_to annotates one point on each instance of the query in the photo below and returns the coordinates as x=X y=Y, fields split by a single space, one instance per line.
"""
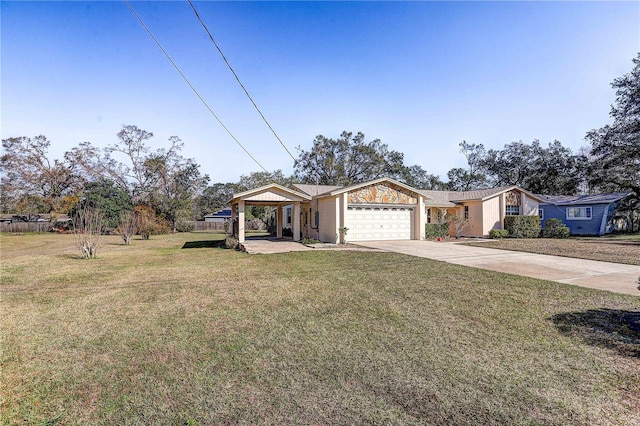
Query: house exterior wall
x=419 y=219
x=492 y=214
x=382 y=193
x=529 y=206
x=474 y=229
x=217 y=219
x=591 y=226
x=329 y=208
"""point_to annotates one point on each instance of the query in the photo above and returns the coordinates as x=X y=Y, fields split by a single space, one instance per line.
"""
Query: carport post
x=420 y=219
x=279 y=216
x=296 y=221
x=241 y=221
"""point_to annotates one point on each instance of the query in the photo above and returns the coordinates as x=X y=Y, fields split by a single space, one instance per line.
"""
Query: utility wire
x=238 y=80
x=191 y=86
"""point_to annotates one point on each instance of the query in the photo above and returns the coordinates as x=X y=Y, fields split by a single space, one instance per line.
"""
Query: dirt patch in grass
x=624 y=249
x=152 y=333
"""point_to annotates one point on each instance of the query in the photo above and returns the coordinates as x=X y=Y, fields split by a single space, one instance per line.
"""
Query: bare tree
x=31 y=179
x=459 y=224
x=127 y=224
x=88 y=230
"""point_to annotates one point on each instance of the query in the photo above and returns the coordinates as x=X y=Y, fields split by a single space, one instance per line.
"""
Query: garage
x=369 y=223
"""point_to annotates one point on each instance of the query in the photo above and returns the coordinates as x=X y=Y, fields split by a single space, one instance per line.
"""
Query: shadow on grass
x=204 y=244
x=611 y=328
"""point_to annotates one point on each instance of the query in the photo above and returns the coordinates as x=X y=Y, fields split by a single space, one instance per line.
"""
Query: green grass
x=617 y=248
x=157 y=333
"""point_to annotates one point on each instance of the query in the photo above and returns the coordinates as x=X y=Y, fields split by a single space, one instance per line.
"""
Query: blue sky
x=420 y=76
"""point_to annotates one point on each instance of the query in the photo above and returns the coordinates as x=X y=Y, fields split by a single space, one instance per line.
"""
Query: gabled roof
x=342 y=190
x=279 y=194
x=437 y=198
x=314 y=189
x=568 y=200
x=475 y=195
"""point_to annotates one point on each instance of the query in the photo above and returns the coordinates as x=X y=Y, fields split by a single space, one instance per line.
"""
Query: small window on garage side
x=541 y=213
x=512 y=210
x=428 y=215
x=289 y=215
x=579 y=213
x=466 y=212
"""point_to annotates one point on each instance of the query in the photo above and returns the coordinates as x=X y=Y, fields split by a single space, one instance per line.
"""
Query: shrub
x=185 y=225
x=231 y=243
x=555 y=228
x=522 y=226
x=308 y=241
x=498 y=233
x=147 y=223
x=255 y=224
x=435 y=230
x=287 y=232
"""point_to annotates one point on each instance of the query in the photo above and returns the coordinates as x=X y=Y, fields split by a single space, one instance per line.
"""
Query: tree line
x=168 y=189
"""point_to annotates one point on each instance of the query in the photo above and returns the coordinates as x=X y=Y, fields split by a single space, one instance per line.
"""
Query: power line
x=191 y=86
x=238 y=80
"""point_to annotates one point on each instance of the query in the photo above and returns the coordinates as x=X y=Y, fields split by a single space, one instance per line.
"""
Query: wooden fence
x=207 y=226
x=26 y=227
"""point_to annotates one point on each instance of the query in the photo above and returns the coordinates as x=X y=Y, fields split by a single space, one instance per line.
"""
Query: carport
x=272 y=195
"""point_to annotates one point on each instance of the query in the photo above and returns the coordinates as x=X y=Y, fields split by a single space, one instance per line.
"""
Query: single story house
x=583 y=214
x=220 y=216
x=381 y=209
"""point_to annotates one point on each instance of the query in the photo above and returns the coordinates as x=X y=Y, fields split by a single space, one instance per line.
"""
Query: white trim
x=585 y=208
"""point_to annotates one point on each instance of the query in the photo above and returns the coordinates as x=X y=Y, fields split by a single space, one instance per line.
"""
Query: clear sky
x=420 y=76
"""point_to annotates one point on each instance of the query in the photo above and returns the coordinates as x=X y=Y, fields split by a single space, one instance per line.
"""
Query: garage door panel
x=370 y=223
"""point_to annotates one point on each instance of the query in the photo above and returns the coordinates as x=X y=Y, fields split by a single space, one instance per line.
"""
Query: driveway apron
x=614 y=277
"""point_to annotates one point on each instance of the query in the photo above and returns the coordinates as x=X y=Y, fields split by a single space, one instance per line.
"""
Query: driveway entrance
x=614 y=277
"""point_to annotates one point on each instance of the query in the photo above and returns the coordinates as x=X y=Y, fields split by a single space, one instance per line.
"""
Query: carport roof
x=270 y=194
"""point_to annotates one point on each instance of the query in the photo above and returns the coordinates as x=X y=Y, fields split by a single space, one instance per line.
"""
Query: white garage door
x=378 y=223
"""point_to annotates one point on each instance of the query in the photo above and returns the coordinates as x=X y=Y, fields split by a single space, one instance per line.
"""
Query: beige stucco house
x=381 y=209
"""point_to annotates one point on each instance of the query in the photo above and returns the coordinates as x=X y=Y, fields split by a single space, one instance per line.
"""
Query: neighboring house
x=381 y=209
x=583 y=214
x=221 y=216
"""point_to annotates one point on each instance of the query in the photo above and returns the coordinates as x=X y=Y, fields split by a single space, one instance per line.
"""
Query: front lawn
x=617 y=249
x=161 y=333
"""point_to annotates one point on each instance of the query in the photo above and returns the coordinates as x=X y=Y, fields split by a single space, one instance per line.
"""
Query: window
x=428 y=215
x=289 y=215
x=511 y=210
x=578 y=213
x=466 y=212
x=541 y=213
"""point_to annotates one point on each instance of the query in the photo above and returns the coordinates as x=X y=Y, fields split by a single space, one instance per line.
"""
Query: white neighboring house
x=221 y=216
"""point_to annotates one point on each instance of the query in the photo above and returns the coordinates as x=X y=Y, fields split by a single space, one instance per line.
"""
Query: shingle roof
x=311 y=189
x=220 y=213
x=456 y=196
x=478 y=194
x=567 y=200
x=437 y=198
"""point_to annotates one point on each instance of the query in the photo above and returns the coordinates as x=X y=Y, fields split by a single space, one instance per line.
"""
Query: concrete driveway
x=586 y=273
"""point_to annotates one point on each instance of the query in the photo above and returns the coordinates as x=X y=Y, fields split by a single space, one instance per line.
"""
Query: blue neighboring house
x=221 y=216
x=583 y=214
